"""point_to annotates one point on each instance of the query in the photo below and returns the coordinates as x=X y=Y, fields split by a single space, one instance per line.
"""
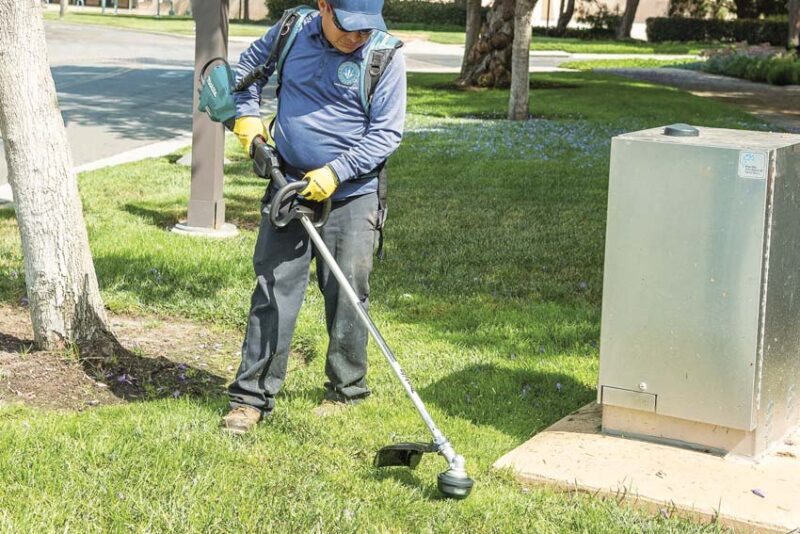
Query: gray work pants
x=282 y=259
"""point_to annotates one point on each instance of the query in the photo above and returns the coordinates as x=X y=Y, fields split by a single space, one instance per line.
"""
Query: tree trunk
x=62 y=288
x=794 y=24
x=625 y=25
x=519 y=96
x=62 y=8
x=246 y=9
x=565 y=17
x=489 y=60
x=472 y=31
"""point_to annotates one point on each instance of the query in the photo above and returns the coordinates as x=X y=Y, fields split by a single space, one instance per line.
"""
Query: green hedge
x=773 y=31
x=587 y=34
x=779 y=70
x=420 y=11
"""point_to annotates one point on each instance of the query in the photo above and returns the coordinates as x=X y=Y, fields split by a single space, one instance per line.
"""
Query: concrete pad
x=226 y=231
x=573 y=455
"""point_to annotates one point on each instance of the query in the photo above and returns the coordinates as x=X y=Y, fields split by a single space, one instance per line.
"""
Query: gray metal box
x=701 y=291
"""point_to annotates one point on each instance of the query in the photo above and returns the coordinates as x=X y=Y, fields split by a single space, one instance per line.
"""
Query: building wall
x=647 y=9
x=258 y=8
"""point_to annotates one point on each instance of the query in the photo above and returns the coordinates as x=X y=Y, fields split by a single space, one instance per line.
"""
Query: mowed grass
x=631 y=63
x=489 y=295
x=150 y=23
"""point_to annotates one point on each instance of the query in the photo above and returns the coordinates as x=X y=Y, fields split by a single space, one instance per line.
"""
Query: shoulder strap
x=291 y=23
x=377 y=56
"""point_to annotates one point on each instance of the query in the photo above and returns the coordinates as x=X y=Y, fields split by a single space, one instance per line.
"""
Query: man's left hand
x=322 y=183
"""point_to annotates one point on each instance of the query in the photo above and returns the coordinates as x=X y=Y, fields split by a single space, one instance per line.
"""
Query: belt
x=294 y=171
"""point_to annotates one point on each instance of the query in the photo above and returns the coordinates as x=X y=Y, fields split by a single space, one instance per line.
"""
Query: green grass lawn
x=489 y=295
x=164 y=24
x=644 y=63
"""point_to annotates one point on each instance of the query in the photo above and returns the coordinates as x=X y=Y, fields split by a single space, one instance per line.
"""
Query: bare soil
x=162 y=358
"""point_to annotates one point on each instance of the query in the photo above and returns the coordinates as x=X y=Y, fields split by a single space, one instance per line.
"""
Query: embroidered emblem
x=348 y=73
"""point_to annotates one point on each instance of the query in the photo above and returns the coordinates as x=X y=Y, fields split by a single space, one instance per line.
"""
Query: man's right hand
x=246 y=129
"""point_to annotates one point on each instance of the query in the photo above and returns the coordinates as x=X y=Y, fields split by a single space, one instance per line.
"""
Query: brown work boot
x=241 y=419
x=330 y=407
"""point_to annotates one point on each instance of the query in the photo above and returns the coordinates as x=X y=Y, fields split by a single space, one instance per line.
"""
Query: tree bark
x=62 y=8
x=472 y=31
x=246 y=9
x=565 y=16
x=625 y=25
x=794 y=24
x=62 y=288
x=489 y=60
x=519 y=96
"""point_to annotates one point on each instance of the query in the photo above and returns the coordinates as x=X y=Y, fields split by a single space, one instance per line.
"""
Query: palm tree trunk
x=489 y=60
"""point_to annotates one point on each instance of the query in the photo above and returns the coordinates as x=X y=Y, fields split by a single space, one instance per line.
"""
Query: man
x=326 y=137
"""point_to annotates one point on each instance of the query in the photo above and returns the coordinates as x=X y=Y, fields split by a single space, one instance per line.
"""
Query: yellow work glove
x=246 y=129
x=322 y=183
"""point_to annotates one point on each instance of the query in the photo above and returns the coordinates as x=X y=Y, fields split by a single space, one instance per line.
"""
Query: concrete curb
x=153 y=150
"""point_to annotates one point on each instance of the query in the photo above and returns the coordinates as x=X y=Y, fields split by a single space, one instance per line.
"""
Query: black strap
x=383 y=208
x=287 y=22
x=377 y=63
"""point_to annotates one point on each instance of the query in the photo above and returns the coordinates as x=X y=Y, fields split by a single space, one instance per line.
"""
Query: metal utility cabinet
x=700 y=335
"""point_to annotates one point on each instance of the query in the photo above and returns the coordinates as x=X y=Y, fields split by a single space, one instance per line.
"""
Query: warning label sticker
x=753 y=165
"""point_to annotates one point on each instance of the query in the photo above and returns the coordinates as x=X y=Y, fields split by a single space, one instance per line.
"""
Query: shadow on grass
x=7 y=214
x=153 y=279
x=241 y=210
x=516 y=402
x=136 y=377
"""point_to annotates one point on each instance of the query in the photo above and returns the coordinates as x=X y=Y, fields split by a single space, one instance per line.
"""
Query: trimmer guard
x=403 y=454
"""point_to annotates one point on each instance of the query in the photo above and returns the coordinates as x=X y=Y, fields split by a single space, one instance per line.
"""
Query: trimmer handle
x=266 y=165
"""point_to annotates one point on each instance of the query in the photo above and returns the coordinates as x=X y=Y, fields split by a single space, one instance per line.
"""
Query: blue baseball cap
x=355 y=15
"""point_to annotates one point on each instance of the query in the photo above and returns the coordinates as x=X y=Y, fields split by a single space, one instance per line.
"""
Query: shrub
x=783 y=72
x=771 y=31
x=599 y=17
x=586 y=34
x=755 y=63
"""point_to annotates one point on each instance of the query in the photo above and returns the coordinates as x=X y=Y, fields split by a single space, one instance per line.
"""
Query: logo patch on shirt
x=348 y=73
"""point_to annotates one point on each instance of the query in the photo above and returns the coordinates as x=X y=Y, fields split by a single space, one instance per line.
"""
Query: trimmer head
x=453 y=483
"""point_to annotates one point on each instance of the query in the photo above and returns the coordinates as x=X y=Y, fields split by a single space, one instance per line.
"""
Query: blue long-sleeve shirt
x=320 y=117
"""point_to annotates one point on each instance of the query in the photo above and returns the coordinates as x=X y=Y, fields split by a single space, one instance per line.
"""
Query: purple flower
x=176 y=394
x=125 y=379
